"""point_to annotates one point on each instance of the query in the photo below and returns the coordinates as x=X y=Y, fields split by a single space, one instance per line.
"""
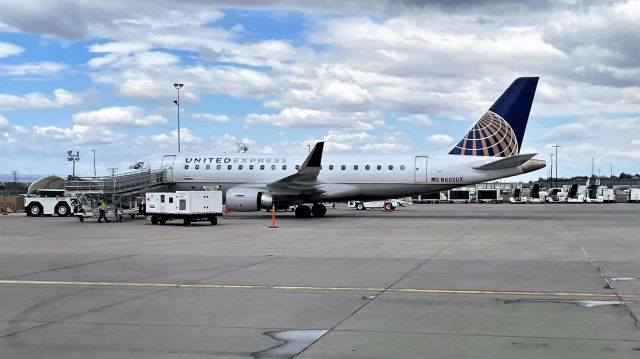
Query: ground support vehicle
x=49 y=202
x=459 y=196
x=388 y=205
x=190 y=206
x=556 y=195
x=518 y=196
x=634 y=195
x=486 y=195
x=607 y=194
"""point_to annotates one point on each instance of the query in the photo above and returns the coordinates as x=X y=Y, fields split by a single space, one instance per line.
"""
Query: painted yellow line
x=313 y=288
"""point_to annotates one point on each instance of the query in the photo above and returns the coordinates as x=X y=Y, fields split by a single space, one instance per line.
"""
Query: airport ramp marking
x=315 y=288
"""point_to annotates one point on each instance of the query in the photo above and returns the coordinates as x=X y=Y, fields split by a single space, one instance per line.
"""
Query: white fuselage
x=343 y=176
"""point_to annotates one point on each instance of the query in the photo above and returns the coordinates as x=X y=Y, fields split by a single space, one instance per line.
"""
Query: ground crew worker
x=102 y=207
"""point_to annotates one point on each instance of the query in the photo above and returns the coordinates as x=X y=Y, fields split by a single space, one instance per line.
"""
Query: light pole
x=73 y=158
x=94 y=162
x=556 y=146
x=551 y=169
x=178 y=86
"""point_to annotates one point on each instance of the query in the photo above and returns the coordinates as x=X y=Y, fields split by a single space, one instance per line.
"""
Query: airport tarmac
x=424 y=281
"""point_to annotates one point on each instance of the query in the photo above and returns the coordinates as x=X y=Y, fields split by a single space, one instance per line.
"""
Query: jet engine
x=245 y=199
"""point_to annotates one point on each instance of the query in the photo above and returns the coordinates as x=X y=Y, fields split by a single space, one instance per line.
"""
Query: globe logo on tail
x=490 y=136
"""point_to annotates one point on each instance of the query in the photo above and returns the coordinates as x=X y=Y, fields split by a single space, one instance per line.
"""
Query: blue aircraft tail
x=500 y=130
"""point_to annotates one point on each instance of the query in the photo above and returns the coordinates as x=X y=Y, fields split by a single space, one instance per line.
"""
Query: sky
x=366 y=76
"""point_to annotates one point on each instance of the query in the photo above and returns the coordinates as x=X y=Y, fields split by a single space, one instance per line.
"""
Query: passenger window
x=331 y=167
x=273 y=167
x=379 y=167
x=219 y=167
x=261 y=167
x=229 y=167
x=367 y=167
x=170 y=199
x=239 y=167
x=284 y=167
x=161 y=198
x=390 y=167
x=297 y=167
x=208 y=167
x=250 y=167
x=355 y=167
x=197 y=167
x=186 y=167
x=401 y=167
x=343 y=167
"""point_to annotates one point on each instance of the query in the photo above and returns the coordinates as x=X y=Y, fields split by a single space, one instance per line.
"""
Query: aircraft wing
x=306 y=179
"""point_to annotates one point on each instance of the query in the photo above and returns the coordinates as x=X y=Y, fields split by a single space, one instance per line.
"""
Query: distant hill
x=8 y=177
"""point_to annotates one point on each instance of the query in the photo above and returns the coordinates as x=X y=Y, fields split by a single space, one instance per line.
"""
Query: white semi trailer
x=190 y=206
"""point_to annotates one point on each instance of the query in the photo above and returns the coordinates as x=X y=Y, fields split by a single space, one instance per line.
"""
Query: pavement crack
x=70 y=266
x=611 y=286
x=389 y=287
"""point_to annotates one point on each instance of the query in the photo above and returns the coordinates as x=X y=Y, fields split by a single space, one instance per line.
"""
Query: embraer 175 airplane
x=251 y=182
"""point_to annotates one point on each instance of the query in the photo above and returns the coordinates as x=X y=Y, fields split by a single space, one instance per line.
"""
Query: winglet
x=315 y=157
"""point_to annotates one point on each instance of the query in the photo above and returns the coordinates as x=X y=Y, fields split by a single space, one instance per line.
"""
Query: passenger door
x=167 y=165
x=421 y=169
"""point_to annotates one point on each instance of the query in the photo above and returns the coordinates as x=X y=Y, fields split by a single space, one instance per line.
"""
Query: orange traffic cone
x=273 y=216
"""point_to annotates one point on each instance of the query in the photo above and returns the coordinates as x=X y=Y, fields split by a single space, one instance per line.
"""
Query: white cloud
x=416 y=118
x=8 y=49
x=386 y=147
x=130 y=116
x=169 y=141
x=155 y=59
x=122 y=47
x=33 y=68
x=443 y=139
x=210 y=117
x=4 y=122
x=35 y=100
x=304 y=117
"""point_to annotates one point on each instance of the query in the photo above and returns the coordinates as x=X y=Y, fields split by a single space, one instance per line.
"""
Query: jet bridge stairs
x=125 y=190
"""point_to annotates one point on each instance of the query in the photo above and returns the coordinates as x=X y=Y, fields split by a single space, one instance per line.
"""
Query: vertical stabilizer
x=500 y=130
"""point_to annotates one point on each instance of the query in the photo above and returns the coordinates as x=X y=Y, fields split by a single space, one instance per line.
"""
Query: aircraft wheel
x=318 y=210
x=360 y=206
x=303 y=211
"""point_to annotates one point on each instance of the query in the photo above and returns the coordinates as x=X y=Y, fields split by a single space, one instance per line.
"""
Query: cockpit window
x=136 y=166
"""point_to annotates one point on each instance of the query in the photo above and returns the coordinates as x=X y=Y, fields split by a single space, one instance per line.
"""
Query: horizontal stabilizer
x=507 y=162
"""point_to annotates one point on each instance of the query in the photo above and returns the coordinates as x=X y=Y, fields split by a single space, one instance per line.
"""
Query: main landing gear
x=318 y=210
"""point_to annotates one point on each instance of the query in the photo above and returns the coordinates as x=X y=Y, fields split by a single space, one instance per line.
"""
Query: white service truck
x=49 y=202
x=190 y=206
x=388 y=205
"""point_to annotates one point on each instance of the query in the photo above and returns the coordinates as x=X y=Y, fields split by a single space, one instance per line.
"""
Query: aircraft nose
x=532 y=165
